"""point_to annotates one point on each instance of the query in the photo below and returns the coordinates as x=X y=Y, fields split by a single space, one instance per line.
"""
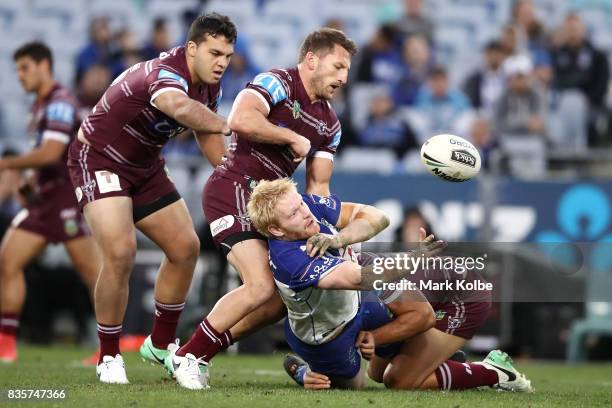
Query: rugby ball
x=450 y=157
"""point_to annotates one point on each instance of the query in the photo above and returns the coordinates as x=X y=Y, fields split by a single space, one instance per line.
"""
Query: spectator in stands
x=486 y=84
x=520 y=117
x=482 y=139
x=159 y=41
x=380 y=61
x=440 y=108
x=415 y=22
x=387 y=127
x=127 y=53
x=100 y=48
x=532 y=39
x=10 y=180
x=182 y=146
x=578 y=65
x=408 y=231
x=418 y=63
x=240 y=72
x=92 y=85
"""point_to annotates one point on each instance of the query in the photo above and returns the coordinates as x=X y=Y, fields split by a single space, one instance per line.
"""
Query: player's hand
x=318 y=244
x=316 y=381
x=300 y=147
x=366 y=344
x=428 y=246
x=226 y=131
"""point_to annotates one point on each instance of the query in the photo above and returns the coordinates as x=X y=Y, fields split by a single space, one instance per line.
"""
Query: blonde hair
x=264 y=199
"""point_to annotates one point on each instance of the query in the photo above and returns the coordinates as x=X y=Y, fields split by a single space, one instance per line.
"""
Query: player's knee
x=398 y=380
x=261 y=292
x=121 y=253
x=185 y=249
x=375 y=375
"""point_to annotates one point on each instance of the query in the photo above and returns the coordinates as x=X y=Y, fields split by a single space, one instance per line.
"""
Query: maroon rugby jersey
x=56 y=117
x=126 y=126
x=289 y=106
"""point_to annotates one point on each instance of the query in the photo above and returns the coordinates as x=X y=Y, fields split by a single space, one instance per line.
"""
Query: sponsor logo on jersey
x=221 y=224
x=328 y=202
x=440 y=314
x=107 y=181
x=455 y=322
x=463 y=157
x=71 y=227
x=296 y=110
x=321 y=127
x=79 y=194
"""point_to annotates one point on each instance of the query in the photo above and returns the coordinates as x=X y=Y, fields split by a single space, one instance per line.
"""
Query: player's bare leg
x=250 y=258
x=422 y=363
x=18 y=248
x=269 y=313
x=111 y=223
x=171 y=228
x=86 y=259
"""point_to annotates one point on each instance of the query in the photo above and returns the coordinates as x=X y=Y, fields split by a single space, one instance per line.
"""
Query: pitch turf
x=258 y=381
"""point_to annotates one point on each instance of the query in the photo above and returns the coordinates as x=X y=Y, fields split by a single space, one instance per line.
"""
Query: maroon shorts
x=225 y=207
x=94 y=176
x=462 y=318
x=54 y=216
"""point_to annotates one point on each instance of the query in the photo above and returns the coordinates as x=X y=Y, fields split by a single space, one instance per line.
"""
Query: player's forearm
x=253 y=125
x=403 y=327
x=373 y=275
x=194 y=115
x=368 y=222
x=212 y=147
x=34 y=159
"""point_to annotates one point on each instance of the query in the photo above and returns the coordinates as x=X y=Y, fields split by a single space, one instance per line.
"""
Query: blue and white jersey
x=315 y=315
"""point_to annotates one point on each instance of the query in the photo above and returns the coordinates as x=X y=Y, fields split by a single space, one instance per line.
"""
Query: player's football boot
x=509 y=377
x=155 y=355
x=8 y=348
x=189 y=371
x=112 y=370
x=295 y=367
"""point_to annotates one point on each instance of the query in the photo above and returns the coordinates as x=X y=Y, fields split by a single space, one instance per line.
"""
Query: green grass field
x=259 y=381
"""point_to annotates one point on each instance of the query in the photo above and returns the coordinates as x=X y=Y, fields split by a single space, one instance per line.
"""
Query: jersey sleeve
x=215 y=99
x=165 y=80
x=271 y=87
x=292 y=266
x=324 y=207
x=61 y=118
x=329 y=150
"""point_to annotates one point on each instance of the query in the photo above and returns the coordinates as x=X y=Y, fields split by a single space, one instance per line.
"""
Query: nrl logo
x=296 y=110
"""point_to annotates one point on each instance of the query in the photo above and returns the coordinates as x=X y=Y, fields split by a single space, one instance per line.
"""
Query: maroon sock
x=9 y=323
x=164 y=325
x=452 y=375
x=206 y=342
x=109 y=340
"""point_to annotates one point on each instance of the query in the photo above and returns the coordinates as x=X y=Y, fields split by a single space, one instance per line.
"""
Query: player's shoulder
x=312 y=200
x=63 y=95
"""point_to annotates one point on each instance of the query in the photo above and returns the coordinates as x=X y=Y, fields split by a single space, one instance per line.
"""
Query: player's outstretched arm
x=412 y=315
x=51 y=151
x=212 y=147
x=249 y=118
x=358 y=223
x=191 y=113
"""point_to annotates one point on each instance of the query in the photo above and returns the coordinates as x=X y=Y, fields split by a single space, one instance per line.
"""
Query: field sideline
x=258 y=381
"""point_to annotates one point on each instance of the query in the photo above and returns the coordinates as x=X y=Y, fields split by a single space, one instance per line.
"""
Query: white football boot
x=112 y=370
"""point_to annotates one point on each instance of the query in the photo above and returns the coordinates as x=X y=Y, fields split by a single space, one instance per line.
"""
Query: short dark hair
x=36 y=50
x=438 y=72
x=213 y=24
x=494 y=45
x=324 y=39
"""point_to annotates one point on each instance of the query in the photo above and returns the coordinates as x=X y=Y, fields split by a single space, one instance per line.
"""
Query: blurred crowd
x=537 y=89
